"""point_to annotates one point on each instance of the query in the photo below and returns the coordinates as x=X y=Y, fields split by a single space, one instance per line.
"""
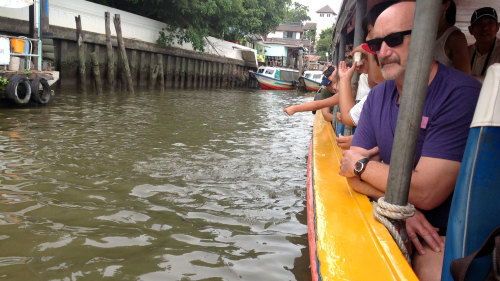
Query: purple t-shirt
x=449 y=107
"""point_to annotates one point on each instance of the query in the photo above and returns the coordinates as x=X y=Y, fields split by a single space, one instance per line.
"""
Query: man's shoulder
x=457 y=79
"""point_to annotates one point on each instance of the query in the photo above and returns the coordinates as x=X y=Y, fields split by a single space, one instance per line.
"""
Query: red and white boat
x=277 y=78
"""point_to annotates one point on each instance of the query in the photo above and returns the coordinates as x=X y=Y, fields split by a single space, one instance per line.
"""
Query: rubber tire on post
x=47 y=41
x=14 y=88
x=38 y=96
x=48 y=48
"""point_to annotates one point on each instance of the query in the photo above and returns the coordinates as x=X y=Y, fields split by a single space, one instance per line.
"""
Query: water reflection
x=158 y=186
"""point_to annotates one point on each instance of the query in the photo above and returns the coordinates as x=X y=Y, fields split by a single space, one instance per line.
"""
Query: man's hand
x=349 y=159
x=344 y=142
x=418 y=225
x=290 y=110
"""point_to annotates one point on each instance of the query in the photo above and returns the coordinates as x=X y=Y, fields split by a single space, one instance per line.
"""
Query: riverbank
x=222 y=65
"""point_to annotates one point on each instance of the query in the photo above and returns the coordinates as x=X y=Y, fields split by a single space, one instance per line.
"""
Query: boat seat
x=475 y=209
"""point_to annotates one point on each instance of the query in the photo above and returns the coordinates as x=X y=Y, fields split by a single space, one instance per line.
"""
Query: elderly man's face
x=393 y=59
x=484 y=29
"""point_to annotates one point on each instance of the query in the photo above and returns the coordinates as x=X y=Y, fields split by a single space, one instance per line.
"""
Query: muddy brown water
x=179 y=185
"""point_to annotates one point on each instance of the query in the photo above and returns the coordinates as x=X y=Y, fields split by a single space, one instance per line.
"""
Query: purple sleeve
x=447 y=133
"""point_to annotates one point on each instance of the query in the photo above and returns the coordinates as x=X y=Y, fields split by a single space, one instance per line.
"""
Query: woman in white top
x=450 y=48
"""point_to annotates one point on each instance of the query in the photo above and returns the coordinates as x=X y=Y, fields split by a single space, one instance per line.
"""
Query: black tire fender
x=42 y=96
x=18 y=89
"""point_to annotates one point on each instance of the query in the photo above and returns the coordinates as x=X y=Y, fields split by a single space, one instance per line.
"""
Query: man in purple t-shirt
x=448 y=111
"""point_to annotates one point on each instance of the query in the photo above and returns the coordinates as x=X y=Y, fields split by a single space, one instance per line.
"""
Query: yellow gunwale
x=350 y=243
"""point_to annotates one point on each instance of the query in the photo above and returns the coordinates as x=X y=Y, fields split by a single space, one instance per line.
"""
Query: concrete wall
x=221 y=65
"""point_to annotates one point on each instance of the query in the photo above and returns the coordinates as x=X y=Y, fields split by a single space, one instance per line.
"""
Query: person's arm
x=432 y=181
x=346 y=99
x=312 y=105
x=459 y=53
x=327 y=115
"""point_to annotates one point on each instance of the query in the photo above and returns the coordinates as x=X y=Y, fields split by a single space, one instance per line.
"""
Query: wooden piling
x=177 y=71
x=161 y=73
x=202 y=74
x=81 y=54
x=189 y=78
x=109 y=54
x=183 y=73
x=134 y=68
x=143 y=70
x=214 y=75
x=123 y=53
x=154 y=69
x=96 y=72
x=196 y=74
x=170 y=72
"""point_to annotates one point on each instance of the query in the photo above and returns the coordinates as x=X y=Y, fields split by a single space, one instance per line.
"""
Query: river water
x=179 y=185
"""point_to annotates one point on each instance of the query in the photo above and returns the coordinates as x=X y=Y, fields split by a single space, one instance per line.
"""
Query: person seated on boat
x=451 y=99
x=450 y=47
x=349 y=110
x=328 y=91
x=485 y=51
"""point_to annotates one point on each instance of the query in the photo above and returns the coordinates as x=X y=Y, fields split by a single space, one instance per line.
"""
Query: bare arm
x=312 y=105
x=346 y=99
x=327 y=115
x=457 y=51
x=431 y=183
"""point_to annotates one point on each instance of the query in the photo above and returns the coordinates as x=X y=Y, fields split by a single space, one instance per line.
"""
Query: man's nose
x=384 y=51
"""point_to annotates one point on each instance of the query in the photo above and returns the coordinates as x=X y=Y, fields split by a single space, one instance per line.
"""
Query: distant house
x=284 y=43
x=325 y=18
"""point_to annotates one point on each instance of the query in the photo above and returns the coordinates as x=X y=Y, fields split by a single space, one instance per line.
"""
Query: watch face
x=359 y=166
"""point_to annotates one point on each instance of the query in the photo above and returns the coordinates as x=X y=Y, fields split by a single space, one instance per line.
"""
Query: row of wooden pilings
x=137 y=68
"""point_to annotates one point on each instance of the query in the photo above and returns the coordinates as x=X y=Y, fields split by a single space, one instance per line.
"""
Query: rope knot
x=383 y=210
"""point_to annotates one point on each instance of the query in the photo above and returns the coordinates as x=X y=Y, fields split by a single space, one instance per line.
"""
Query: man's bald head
x=397 y=17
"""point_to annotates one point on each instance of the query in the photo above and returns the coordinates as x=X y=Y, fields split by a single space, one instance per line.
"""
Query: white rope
x=383 y=210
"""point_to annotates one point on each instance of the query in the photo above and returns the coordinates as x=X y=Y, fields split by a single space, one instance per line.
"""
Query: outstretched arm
x=312 y=105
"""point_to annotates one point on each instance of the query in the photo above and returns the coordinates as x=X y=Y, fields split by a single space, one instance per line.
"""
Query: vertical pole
x=96 y=72
x=109 y=53
x=123 y=53
x=412 y=100
x=301 y=64
x=162 y=73
x=81 y=53
x=342 y=45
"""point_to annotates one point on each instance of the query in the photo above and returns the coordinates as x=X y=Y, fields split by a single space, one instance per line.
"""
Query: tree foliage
x=296 y=13
x=193 y=20
x=325 y=42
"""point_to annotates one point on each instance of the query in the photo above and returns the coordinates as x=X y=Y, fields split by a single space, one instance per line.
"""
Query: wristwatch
x=360 y=166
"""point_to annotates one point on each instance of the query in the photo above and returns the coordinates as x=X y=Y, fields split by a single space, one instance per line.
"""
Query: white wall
x=275 y=34
x=63 y=12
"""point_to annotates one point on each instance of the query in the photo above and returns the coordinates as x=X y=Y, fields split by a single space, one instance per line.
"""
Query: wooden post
x=133 y=67
x=81 y=53
x=210 y=75
x=123 y=53
x=183 y=73
x=202 y=74
x=109 y=53
x=161 y=72
x=189 y=81
x=143 y=70
x=170 y=72
x=154 y=69
x=96 y=72
x=196 y=74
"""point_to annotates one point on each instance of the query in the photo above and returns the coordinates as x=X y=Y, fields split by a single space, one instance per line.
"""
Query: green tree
x=193 y=20
x=311 y=35
x=325 y=42
x=296 y=13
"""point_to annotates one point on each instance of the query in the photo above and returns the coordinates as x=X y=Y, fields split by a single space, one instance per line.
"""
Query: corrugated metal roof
x=286 y=27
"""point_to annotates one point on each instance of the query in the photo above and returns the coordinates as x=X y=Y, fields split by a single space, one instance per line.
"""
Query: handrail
x=38 y=55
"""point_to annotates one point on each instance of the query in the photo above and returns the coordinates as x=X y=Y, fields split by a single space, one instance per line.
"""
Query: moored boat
x=312 y=79
x=277 y=78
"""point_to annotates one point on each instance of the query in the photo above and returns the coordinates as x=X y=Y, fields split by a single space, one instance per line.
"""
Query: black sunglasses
x=392 y=40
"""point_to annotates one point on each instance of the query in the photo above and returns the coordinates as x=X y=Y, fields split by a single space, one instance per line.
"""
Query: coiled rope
x=383 y=210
